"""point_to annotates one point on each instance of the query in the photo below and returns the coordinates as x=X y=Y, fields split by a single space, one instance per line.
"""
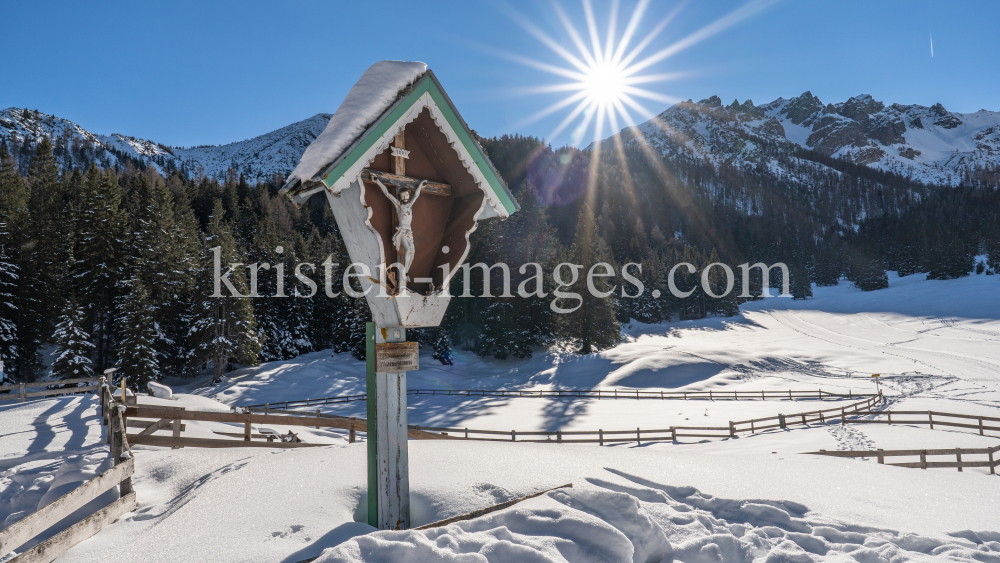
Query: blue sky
x=189 y=73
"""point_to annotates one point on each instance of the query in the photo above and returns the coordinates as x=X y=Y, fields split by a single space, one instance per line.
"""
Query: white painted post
x=392 y=452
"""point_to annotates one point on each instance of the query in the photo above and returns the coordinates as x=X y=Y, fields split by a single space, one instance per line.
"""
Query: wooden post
x=317 y=416
x=466 y=433
x=558 y=436
x=752 y=429
x=881 y=458
x=789 y=394
x=890 y=417
x=958 y=457
x=513 y=435
x=392 y=452
x=843 y=417
x=710 y=395
x=352 y=435
x=600 y=436
x=981 y=426
x=923 y=459
x=762 y=397
x=673 y=434
x=781 y=421
x=246 y=431
x=370 y=402
x=992 y=464
x=21 y=393
x=638 y=438
x=732 y=429
x=930 y=418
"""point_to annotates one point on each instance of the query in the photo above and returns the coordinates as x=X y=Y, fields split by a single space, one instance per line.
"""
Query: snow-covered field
x=756 y=497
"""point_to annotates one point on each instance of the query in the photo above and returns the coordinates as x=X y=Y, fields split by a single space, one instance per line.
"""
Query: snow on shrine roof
x=377 y=89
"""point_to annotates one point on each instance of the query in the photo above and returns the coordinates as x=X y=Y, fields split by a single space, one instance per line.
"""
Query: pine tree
x=223 y=328
x=164 y=257
x=45 y=244
x=73 y=345
x=101 y=232
x=13 y=209
x=594 y=324
x=138 y=359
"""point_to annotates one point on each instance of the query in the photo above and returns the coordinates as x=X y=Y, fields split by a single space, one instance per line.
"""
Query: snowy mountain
x=929 y=144
x=258 y=158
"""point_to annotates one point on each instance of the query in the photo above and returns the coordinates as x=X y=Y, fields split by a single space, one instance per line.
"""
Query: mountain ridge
x=257 y=158
x=927 y=144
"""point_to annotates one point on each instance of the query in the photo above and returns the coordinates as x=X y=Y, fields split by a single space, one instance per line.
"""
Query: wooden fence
x=709 y=395
x=168 y=418
x=991 y=462
x=942 y=419
x=18 y=391
x=20 y=532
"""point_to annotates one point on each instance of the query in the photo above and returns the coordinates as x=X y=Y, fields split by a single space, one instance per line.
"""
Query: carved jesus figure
x=403 y=238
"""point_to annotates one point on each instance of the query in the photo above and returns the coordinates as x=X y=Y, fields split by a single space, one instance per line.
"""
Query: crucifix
x=402 y=196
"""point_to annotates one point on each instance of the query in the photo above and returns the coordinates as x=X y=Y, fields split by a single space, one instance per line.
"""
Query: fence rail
x=120 y=475
x=941 y=420
x=21 y=394
x=991 y=462
x=710 y=395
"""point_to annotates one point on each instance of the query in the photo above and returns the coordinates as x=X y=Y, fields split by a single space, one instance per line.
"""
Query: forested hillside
x=113 y=268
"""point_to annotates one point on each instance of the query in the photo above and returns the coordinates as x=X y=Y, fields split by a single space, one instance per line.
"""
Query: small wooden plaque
x=397 y=356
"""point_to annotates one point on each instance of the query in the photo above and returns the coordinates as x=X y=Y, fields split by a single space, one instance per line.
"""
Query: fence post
x=992 y=464
x=890 y=416
x=752 y=429
x=789 y=394
x=466 y=433
x=843 y=417
x=923 y=459
x=881 y=458
x=958 y=457
x=352 y=433
x=710 y=395
x=803 y=419
x=930 y=417
x=559 y=436
x=21 y=392
x=317 y=416
x=822 y=420
x=762 y=397
x=981 y=426
x=513 y=435
x=781 y=421
x=600 y=436
x=673 y=437
x=850 y=394
x=636 y=393
x=732 y=429
x=616 y=393
x=638 y=438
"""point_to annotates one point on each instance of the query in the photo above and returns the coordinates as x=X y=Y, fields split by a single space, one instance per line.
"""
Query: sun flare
x=605 y=73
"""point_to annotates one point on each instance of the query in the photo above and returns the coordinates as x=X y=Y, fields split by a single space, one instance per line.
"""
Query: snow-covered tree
x=138 y=359
x=223 y=328
x=73 y=345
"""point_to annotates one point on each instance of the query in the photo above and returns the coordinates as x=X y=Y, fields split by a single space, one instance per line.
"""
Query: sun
x=604 y=83
x=608 y=75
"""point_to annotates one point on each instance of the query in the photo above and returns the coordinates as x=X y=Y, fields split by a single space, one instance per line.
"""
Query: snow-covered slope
x=753 y=498
x=930 y=144
x=257 y=159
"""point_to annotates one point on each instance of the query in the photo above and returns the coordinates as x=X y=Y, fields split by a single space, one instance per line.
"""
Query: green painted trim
x=450 y=113
x=371 y=423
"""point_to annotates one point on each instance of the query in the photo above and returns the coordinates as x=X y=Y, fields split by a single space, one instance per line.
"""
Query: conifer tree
x=223 y=328
x=73 y=345
x=45 y=244
x=138 y=358
x=594 y=324
x=101 y=232
x=13 y=210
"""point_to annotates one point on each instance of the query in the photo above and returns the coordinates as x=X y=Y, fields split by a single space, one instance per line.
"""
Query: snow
x=160 y=391
x=367 y=100
x=754 y=498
